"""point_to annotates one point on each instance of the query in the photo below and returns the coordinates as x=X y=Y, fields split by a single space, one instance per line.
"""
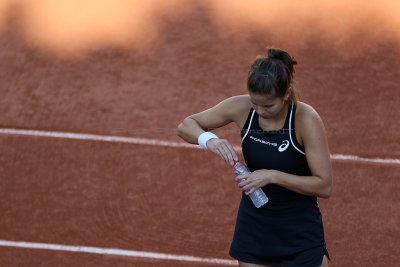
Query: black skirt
x=280 y=233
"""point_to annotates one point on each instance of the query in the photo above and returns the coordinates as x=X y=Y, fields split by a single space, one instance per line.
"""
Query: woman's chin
x=265 y=116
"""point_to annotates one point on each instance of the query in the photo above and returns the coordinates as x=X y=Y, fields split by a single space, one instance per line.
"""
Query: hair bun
x=287 y=60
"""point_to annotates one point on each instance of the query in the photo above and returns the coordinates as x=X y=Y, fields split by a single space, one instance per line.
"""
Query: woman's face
x=267 y=106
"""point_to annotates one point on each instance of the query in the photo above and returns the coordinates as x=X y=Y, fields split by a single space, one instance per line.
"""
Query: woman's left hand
x=254 y=180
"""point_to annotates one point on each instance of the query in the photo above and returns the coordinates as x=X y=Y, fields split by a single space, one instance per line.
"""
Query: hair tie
x=268 y=73
x=261 y=74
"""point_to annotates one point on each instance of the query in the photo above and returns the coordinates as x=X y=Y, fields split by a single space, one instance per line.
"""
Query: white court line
x=360 y=159
x=156 y=142
x=96 y=137
x=117 y=252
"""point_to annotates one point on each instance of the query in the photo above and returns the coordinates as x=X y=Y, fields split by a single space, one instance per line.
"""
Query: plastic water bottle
x=258 y=197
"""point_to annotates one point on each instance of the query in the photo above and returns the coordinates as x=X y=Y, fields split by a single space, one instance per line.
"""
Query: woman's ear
x=287 y=94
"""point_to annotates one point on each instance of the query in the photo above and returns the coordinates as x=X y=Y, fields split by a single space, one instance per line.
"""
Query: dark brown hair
x=272 y=74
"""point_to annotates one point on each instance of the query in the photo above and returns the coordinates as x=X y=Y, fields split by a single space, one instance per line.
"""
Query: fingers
x=250 y=191
x=241 y=177
x=227 y=152
x=245 y=184
x=223 y=149
x=232 y=151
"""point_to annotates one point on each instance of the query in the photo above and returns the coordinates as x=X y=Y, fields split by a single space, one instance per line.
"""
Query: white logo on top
x=281 y=148
x=262 y=141
x=284 y=146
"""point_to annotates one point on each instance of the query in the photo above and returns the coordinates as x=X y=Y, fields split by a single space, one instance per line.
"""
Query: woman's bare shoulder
x=305 y=112
x=240 y=99
x=232 y=109
x=308 y=122
x=242 y=102
x=239 y=108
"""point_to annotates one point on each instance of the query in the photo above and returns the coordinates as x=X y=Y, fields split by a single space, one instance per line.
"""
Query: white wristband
x=204 y=137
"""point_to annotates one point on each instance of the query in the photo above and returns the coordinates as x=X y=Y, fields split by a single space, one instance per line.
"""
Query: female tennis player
x=285 y=146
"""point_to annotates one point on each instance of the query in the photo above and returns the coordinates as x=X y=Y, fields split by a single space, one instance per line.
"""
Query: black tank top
x=278 y=150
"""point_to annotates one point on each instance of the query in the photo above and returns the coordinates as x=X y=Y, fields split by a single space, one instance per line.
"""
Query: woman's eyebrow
x=264 y=105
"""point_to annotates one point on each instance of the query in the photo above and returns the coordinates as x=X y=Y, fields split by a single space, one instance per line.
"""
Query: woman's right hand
x=224 y=149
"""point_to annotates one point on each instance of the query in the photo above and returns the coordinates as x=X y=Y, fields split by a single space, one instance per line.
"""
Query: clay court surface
x=92 y=172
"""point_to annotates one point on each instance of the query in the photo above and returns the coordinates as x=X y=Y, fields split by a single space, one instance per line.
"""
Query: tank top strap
x=292 y=133
x=247 y=125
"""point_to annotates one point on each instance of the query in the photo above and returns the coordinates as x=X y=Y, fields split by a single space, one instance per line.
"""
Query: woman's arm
x=225 y=112
x=318 y=158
